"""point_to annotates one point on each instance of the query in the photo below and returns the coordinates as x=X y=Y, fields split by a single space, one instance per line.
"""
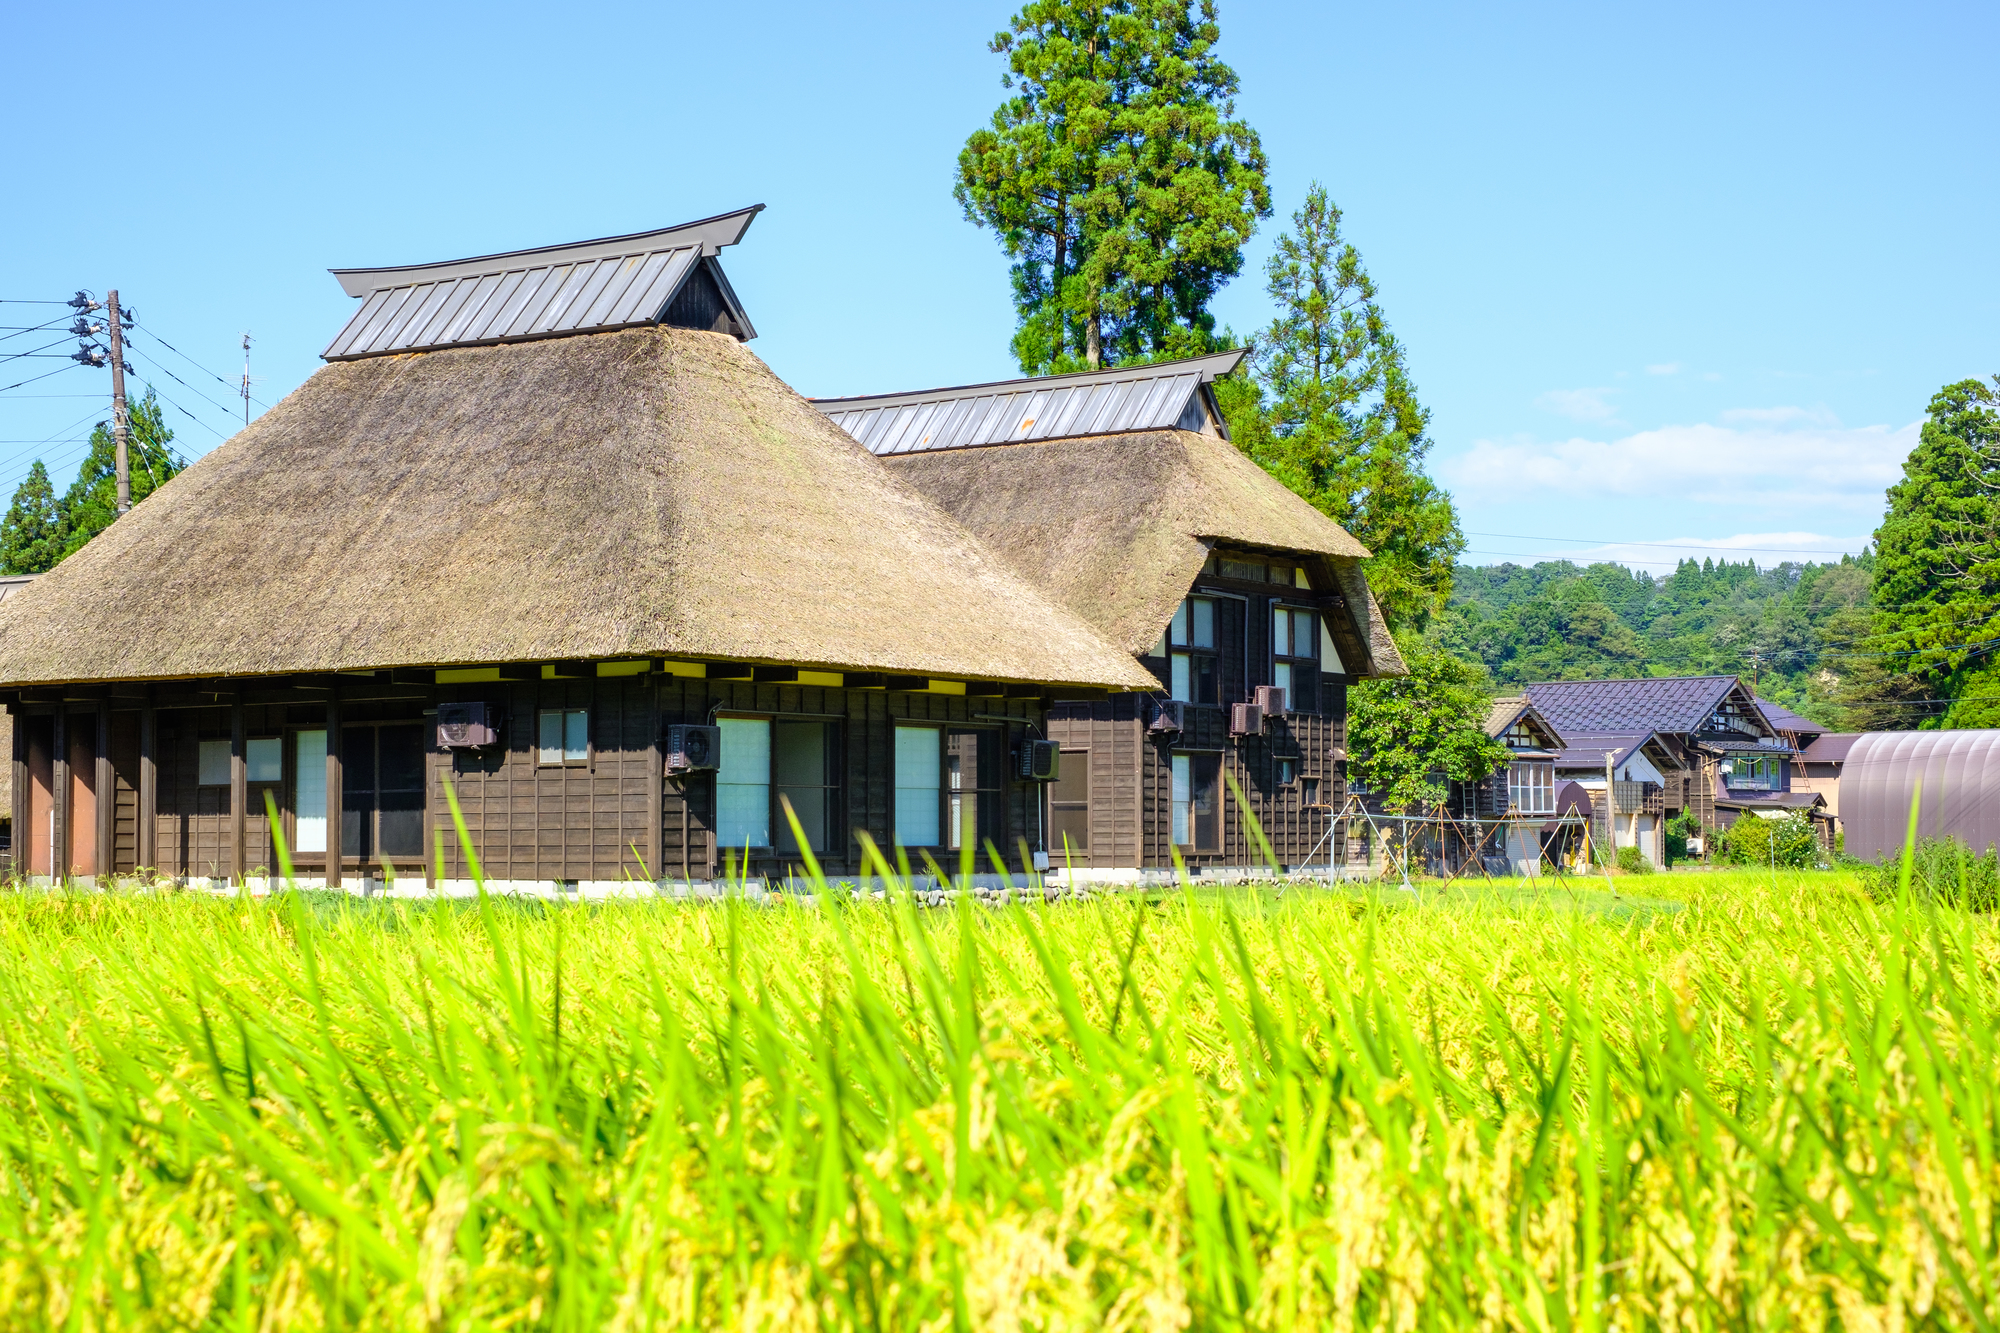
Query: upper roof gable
x=1505 y=713
x=668 y=276
x=1784 y=719
x=1157 y=396
x=1676 y=705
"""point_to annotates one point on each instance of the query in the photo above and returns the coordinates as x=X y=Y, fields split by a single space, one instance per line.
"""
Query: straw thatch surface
x=652 y=491
x=1114 y=525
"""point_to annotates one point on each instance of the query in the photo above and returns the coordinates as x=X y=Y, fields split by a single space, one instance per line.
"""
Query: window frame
x=1543 y=771
x=1056 y=846
x=1210 y=762
x=1194 y=668
x=371 y=833
x=589 y=757
x=777 y=829
x=1296 y=664
x=997 y=794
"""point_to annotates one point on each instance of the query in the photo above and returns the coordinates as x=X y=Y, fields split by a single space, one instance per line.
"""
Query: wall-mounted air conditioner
x=1245 y=719
x=1038 y=761
x=693 y=749
x=1271 y=699
x=466 y=726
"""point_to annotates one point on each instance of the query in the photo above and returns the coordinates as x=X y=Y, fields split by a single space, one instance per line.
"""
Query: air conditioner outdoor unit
x=1245 y=719
x=1038 y=761
x=1169 y=718
x=692 y=749
x=1271 y=699
x=465 y=726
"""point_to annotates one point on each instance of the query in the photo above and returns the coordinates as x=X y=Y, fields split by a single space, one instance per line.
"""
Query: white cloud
x=1780 y=416
x=1579 y=404
x=1664 y=368
x=1766 y=548
x=1759 y=463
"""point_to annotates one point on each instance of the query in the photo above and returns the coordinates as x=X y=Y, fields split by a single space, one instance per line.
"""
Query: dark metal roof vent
x=669 y=276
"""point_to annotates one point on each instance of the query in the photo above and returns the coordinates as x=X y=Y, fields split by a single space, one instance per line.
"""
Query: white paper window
x=264 y=758
x=743 y=784
x=1177 y=632
x=212 y=767
x=919 y=786
x=309 y=794
x=1282 y=678
x=1203 y=612
x=563 y=736
x=1179 y=683
x=1281 y=631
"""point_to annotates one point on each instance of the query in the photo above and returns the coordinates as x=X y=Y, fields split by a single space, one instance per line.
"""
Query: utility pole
x=120 y=427
x=246 y=377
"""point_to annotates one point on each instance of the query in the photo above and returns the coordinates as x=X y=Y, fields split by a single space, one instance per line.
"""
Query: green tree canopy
x=31 y=536
x=40 y=530
x=1937 y=568
x=1409 y=734
x=1329 y=409
x=1117 y=179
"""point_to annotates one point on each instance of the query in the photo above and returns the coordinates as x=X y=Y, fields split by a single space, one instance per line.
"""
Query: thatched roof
x=1117 y=526
x=655 y=491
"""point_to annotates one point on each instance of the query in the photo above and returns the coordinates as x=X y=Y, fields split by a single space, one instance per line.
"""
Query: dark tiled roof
x=1588 y=751
x=1673 y=704
x=1831 y=748
x=1782 y=800
x=1784 y=719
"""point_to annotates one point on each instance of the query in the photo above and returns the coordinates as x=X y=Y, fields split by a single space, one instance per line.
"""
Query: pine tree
x=1117 y=179
x=31 y=536
x=1328 y=408
x=1937 y=567
x=91 y=503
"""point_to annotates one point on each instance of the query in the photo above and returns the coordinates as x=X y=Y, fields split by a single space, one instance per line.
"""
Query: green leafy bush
x=1633 y=861
x=1943 y=870
x=1787 y=841
x=1683 y=826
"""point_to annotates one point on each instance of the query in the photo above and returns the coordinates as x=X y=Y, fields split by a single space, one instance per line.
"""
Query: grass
x=1768 y=1102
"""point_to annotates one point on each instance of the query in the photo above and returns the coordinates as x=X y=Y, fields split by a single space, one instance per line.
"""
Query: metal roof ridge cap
x=1139 y=371
x=708 y=232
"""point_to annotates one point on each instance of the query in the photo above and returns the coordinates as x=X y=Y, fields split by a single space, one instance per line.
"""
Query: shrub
x=1943 y=870
x=1633 y=861
x=1685 y=825
x=1787 y=841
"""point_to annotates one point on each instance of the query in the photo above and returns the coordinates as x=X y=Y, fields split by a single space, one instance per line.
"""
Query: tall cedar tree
x=1328 y=408
x=1937 y=564
x=1408 y=734
x=39 y=530
x=1116 y=178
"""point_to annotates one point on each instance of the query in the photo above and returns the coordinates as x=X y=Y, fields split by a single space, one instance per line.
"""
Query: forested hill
x=1791 y=625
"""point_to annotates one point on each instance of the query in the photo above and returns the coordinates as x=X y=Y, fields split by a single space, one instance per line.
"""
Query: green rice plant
x=1770 y=1104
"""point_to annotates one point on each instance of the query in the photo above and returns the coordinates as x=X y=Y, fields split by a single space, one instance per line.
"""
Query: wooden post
x=147 y=852
x=107 y=803
x=22 y=846
x=239 y=793
x=656 y=783
x=59 y=799
x=334 y=799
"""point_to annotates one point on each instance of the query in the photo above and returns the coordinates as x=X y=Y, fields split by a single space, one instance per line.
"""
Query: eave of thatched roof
x=655 y=491
x=1116 y=527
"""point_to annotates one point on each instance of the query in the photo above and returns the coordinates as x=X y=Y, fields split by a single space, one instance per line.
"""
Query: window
x=743 y=784
x=1521 y=736
x=309 y=791
x=1295 y=657
x=382 y=791
x=1195 y=805
x=805 y=770
x=264 y=759
x=1069 y=804
x=563 y=737
x=1288 y=772
x=1758 y=773
x=1531 y=787
x=974 y=767
x=212 y=766
x=1191 y=675
x=919 y=774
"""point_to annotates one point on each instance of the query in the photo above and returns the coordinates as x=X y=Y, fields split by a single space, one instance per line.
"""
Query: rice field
x=1747 y=1101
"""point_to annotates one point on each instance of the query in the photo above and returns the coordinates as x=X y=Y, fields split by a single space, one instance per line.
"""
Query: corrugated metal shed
x=1959 y=772
x=1097 y=402
x=587 y=287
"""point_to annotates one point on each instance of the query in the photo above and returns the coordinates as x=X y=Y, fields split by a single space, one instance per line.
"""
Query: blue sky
x=1683 y=275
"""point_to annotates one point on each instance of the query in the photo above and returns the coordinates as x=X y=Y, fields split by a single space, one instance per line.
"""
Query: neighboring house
x=1714 y=751
x=1521 y=791
x=1822 y=761
x=1119 y=494
x=540 y=512
x=1639 y=764
x=1952 y=777
x=9 y=585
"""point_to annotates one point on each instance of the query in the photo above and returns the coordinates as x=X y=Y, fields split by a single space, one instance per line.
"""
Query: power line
x=153 y=362
x=8 y=300
x=57 y=371
x=197 y=365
